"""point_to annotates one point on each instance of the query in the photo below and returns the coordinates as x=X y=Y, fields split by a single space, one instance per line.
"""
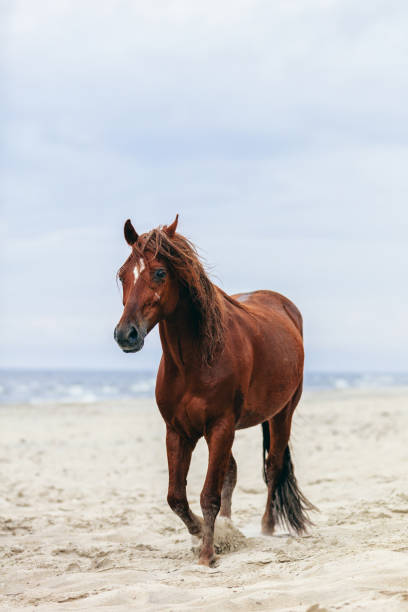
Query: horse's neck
x=178 y=336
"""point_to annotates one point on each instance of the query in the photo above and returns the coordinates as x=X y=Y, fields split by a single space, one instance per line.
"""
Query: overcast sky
x=277 y=130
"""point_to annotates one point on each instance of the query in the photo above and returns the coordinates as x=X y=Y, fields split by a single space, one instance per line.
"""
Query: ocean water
x=65 y=386
x=87 y=386
x=355 y=380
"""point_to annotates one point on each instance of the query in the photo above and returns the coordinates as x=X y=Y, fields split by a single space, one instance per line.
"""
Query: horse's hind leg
x=179 y=451
x=230 y=481
x=285 y=503
x=279 y=432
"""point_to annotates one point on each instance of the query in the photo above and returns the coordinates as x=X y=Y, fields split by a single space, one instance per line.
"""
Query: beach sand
x=84 y=521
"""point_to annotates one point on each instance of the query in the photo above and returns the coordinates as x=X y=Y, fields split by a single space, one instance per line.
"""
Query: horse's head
x=150 y=290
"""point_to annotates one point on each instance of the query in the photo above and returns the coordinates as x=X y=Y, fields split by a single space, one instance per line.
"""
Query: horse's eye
x=159 y=274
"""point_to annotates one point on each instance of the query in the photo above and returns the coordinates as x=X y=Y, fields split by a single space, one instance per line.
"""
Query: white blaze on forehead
x=138 y=269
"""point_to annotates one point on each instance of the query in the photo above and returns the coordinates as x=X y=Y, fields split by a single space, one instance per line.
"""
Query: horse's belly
x=257 y=414
x=268 y=393
x=249 y=420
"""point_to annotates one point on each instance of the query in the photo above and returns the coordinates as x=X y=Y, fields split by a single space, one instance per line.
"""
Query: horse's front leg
x=219 y=440
x=179 y=452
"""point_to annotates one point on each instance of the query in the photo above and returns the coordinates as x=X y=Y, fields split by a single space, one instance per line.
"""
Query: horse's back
x=265 y=300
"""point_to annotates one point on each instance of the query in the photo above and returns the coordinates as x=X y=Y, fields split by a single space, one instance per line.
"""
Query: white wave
x=142 y=387
x=341 y=383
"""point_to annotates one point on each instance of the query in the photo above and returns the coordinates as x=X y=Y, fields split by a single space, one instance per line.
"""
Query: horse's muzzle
x=129 y=338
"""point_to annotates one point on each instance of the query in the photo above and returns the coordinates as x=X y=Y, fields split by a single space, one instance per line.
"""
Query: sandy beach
x=84 y=521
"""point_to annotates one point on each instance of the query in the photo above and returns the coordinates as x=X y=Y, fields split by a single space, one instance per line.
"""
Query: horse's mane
x=206 y=299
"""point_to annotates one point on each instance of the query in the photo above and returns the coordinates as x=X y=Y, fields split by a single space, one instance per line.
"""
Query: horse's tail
x=290 y=507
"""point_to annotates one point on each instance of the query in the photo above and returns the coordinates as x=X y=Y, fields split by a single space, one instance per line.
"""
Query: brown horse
x=228 y=362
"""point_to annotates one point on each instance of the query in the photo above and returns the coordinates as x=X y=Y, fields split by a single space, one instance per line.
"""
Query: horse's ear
x=171 y=229
x=131 y=235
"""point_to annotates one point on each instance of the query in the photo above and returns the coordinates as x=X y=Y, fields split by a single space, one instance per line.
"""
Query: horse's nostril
x=132 y=335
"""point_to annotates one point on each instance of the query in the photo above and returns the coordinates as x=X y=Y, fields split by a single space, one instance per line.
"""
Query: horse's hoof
x=268 y=530
x=207 y=558
x=207 y=561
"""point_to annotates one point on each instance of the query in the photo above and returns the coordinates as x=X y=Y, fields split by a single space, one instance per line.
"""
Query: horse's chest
x=187 y=416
